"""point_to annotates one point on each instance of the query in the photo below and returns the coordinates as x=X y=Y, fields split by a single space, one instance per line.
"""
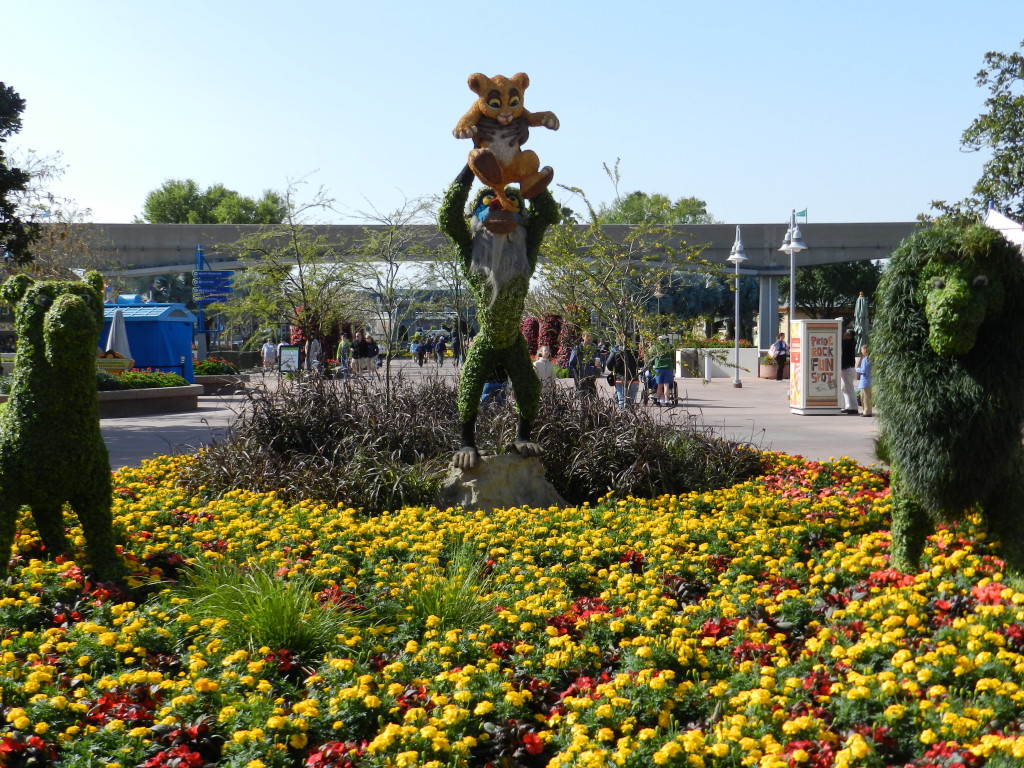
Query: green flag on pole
x=802 y=213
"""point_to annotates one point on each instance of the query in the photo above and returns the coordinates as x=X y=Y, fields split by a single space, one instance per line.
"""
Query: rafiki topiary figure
x=498 y=251
x=51 y=449
x=949 y=376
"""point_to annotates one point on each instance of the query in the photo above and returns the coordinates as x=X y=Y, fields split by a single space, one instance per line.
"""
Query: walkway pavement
x=757 y=413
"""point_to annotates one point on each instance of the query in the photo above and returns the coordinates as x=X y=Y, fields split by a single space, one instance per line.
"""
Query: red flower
x=533 y=743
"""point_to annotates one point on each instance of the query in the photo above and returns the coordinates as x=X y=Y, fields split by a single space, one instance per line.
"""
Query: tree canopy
x=1000 y=131
x=180 y=201
x=830 y=290
x=16 y=234
x=657 y=209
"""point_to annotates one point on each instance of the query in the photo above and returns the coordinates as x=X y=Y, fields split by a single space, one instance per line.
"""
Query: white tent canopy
x=1012 y=230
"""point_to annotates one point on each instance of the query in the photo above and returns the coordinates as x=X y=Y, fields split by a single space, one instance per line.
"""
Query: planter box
x=690 y=362
x=771 y=371
x=226 y=384
x=143 y=402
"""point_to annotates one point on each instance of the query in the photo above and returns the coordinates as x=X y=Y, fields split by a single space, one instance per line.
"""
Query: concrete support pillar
x=768 y=311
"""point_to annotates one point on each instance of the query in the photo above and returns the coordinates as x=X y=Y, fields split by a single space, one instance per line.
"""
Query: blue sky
x=851 y=110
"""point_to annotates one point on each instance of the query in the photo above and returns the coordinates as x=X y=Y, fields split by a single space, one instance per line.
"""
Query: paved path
x=758 y=413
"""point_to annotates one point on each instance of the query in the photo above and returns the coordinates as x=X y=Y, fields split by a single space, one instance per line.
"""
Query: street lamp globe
x=792 y=244
x=737 y=256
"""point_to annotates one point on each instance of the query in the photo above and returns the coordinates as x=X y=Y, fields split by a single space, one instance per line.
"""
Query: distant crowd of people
x=436 y=346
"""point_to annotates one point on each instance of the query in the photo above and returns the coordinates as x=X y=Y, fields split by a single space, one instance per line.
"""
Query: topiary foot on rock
x=467 y=457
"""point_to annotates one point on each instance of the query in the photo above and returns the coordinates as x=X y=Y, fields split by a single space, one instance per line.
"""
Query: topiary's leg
x=50 y=524
x=100 y=539
x=910 y=529
x=527 y=387
x=524 y=380
x=1004 y=520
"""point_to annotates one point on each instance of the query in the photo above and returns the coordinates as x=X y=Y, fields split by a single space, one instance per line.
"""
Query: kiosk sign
x=815 y=366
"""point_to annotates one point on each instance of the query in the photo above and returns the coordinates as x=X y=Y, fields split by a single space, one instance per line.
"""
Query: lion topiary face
x=61 y=319
x=957 y=297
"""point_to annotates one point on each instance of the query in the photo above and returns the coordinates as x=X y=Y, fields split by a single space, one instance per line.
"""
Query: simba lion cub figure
x=499 y=125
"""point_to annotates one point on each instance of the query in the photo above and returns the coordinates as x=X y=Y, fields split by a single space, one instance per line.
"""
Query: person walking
x=457 y=349
x=440 y=350
x=583 y=365
x=314 y=351
x=663 y=360
x=269 y=353
x=848 y=367
x=372 y=355
x=864 y=382
x=344 y=355
x=624 y=365
x=545 y=368
x=360 y=353
x=779 y=352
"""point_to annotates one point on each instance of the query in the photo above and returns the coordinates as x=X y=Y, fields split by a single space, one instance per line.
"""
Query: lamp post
x=792 y=244
x=737 y=256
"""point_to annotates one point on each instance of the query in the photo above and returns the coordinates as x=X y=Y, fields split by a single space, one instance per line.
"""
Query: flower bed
x=755 y=626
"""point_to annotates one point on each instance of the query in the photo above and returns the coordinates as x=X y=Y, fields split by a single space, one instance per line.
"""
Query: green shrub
x=260 y=609
x=345 y=442
x=146 y=379
x=108 y=382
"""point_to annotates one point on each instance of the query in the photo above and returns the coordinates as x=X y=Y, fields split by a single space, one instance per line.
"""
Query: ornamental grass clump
x=254 y=608
x=344 y=442
x=455 y=595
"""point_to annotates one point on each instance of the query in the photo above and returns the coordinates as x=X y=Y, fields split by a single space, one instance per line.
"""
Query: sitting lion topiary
x=51 y=449
x=949 y=376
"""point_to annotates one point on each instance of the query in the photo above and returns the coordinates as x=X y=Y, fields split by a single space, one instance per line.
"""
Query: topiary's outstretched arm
x=452 y=218
x=543 y=213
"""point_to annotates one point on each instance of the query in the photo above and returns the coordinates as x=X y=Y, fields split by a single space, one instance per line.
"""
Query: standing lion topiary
x=949 y=376
x=51 y=449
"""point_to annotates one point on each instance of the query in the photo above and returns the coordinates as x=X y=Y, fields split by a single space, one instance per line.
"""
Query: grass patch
x=254 y=608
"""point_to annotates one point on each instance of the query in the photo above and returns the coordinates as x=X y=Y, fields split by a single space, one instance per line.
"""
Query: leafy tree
x=655 y=209
x=183 y=202
x=290 y=276
x=443 y=271
x=16 y=234
x=66 y=243
x=607 y=283
x=999 y=130
x=389 y=240
x=829 y=290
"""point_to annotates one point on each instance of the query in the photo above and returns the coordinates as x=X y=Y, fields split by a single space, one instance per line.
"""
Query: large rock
x=499 y=482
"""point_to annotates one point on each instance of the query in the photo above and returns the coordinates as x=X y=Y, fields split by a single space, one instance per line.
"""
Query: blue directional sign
x=210 y=282
x=213 y=273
